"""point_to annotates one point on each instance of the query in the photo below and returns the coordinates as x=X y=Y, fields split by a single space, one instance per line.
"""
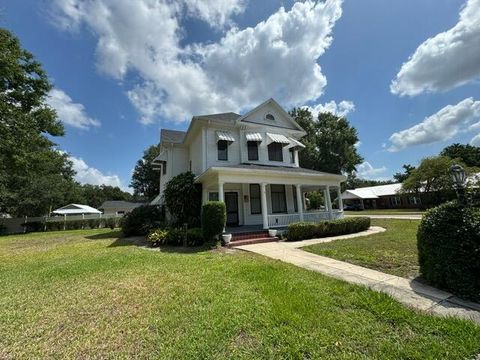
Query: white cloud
x=366 y=171
x=276 y=58
x=440 y=126
x=90 y=175
x=475 y=140
x=343 y=108
x=70 y=113
x=445 y=61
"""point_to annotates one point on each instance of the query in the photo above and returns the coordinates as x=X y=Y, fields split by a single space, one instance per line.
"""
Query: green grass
x=393 y=251
x=88 y=294
x=386 y=212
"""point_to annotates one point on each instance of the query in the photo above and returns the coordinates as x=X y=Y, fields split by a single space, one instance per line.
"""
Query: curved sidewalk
x=409 y=292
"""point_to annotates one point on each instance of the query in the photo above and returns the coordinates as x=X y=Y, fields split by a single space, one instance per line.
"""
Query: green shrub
x=183 y=199
x=448 y=241
x=175 y=237
x=55 y=225
x=141 y=220
x=310 y=230
x=33 y=226
x=112 y=222
x=214 y=216
x=93 y=223
x=195 y=237
x=157 y=236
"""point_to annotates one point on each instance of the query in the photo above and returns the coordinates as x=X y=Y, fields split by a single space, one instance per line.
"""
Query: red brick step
x=252 y=241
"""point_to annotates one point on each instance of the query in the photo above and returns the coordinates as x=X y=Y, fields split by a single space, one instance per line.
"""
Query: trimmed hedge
x=310 y=230
x=214 y=216
x=448 y=241
x=175 y=237
x=142 y=219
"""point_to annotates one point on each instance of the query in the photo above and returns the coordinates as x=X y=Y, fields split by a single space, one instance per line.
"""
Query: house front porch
x=271 y=197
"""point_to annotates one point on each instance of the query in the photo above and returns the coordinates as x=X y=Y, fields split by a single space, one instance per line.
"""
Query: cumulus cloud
x=440 y=126
x=366 y=171
x=343 y=108
x=69 y=112
x=475 y=140
x=445 y=61
x=90 y=175
x=276 y=58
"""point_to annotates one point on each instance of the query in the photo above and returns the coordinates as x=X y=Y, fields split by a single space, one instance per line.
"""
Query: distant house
x=380 y=197
x=76 y=209
x=119 y=206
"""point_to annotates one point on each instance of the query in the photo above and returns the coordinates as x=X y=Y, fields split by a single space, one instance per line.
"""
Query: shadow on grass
x=108 y=235
x=140 y=241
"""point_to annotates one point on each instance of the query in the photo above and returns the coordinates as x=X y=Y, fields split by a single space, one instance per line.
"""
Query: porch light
x=458 y=177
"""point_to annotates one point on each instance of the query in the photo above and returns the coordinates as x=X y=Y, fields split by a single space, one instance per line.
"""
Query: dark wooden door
x=231 y=203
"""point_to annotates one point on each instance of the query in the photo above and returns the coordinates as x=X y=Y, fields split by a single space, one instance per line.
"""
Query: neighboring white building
x=380 y=197
x=250 y=162
x=76 y=209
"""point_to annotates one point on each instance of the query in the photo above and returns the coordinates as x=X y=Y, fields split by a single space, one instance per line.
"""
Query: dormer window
x=270 y=117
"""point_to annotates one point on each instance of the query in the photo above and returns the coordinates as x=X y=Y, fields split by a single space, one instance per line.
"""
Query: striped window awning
x=225 y=135
x=295 y=144
x=278 y=138
x=253 y=137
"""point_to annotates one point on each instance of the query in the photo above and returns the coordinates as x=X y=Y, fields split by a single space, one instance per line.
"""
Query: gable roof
x=72 y=209
x=280 y=110
x=172 y=136
x=227 y=117
x=121 y=203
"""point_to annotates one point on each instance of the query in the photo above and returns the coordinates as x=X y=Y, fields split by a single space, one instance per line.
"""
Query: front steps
x=251 y=237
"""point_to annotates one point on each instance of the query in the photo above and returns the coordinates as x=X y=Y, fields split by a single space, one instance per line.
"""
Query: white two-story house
x=251 y=163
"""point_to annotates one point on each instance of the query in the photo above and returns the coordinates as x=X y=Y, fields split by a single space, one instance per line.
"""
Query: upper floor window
x=252 y=147
x=164 y=168
x=275 y=151
x=270 y=117
x=222 y=147
x=292 y=155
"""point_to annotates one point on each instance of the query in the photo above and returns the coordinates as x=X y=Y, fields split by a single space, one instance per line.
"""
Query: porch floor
x=247 y=229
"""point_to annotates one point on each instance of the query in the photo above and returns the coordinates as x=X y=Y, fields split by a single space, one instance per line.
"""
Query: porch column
x=263 y=199
x=299 y=201
x=329 y=202
x=340 y=200
x=204 y=195
x=220 y=192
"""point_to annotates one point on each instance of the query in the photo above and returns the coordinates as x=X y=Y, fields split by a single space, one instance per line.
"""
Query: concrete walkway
x=409 y=292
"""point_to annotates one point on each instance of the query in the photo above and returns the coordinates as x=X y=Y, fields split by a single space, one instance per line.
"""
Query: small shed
x=76 y=209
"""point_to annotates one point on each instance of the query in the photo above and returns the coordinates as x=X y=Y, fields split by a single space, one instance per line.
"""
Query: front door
x=231 y=203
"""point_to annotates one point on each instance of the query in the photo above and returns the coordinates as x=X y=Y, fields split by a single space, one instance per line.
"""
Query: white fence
x=279 y=220
x=19 y=225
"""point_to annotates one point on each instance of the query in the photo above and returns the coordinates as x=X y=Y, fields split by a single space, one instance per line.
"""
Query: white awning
x=253 y=137
x=278 y=138
x=295 y=143
x=225 y=135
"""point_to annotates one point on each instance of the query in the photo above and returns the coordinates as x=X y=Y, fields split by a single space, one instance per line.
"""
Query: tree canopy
x=468 y=154
x=146 y=181
x=401 y=177
x=33 y=174
x=329 y=143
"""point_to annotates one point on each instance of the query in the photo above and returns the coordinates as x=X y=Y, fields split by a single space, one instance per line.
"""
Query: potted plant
x=226 y=238
x=272 y=232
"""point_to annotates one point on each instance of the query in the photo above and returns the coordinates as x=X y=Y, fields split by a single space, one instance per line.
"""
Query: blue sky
x=124 y=69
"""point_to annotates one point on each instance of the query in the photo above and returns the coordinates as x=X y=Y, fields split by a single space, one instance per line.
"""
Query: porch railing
x=279 y=220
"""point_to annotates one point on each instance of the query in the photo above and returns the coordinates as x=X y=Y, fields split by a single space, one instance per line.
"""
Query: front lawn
x=89 y=294
x=393 y=251
x=386 y=212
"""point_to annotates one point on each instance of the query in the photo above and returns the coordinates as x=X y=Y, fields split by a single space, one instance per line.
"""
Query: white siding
x=211 y=148
x=177 y=162
x=195 y=153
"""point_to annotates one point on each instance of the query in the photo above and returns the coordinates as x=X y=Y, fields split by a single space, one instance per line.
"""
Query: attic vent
x=270 y=117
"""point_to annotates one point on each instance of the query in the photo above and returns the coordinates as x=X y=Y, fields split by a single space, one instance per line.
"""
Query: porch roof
x=255 y=170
